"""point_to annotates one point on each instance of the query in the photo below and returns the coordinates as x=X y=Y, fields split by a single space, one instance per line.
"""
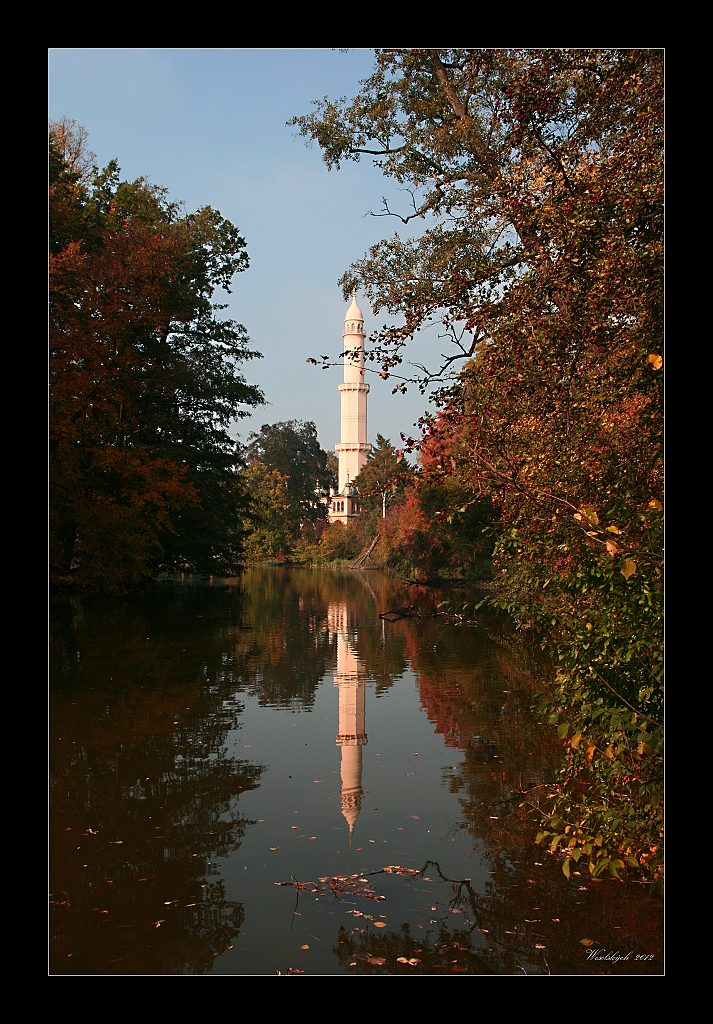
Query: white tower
x=353 y=448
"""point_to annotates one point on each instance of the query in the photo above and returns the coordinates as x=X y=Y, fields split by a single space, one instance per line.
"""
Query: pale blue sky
x=209 y=125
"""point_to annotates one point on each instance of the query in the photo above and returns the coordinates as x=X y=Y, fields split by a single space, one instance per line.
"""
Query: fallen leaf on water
x=539 y=946
x=273 y=847
x=304 y=947
x=416 y=816
x=587 y=942
x=401 y=959
x=459 y=968
x=378 y=961
x=556 y=920
x=379 y=924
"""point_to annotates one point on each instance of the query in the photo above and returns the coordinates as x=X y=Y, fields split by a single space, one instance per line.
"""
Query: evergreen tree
x=383 y=476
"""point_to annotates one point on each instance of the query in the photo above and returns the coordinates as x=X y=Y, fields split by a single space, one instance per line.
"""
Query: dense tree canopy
x=539 y=177
x=144 y=379
x=292 y=449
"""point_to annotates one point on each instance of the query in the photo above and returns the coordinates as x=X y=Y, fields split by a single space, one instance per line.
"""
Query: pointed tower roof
x=354 y=313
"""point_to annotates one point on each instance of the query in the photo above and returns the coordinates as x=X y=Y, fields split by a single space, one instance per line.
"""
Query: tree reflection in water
x=151 y=753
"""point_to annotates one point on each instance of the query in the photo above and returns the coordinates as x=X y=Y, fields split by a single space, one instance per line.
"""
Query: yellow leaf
x=628 y=568
x=613 y=529
x=655 y=360
x=574 y=742
x=656 y=504
x=590 y=752
x=304 y=947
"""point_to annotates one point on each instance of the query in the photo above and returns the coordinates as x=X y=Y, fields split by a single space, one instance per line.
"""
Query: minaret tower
x=353 y=448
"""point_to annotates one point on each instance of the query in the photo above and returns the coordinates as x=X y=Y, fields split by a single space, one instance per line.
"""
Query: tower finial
x=354 y=313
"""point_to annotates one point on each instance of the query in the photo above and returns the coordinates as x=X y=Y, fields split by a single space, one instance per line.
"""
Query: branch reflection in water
x=208 y=739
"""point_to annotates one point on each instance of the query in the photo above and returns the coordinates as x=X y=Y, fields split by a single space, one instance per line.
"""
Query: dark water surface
x=209 y=741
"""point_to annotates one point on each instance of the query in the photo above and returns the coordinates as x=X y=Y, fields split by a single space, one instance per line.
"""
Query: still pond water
x=208 y=741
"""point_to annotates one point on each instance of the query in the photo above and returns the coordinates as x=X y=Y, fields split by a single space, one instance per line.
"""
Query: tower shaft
x=353 y=447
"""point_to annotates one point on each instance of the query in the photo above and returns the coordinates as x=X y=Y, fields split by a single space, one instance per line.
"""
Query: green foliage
x=293 y=450
x=540 y=176
x=463 y=522
x=285 y=467
x=269 y=519
x=609 y=797
x=144 y=380
x=382 y=478
x=341 y=542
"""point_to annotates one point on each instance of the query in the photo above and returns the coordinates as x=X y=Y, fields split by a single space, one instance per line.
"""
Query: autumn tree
x=144 y=379
x=538 y=176
x=342 y=541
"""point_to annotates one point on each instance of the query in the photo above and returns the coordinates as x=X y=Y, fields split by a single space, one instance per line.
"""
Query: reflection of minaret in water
x=350 y=677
